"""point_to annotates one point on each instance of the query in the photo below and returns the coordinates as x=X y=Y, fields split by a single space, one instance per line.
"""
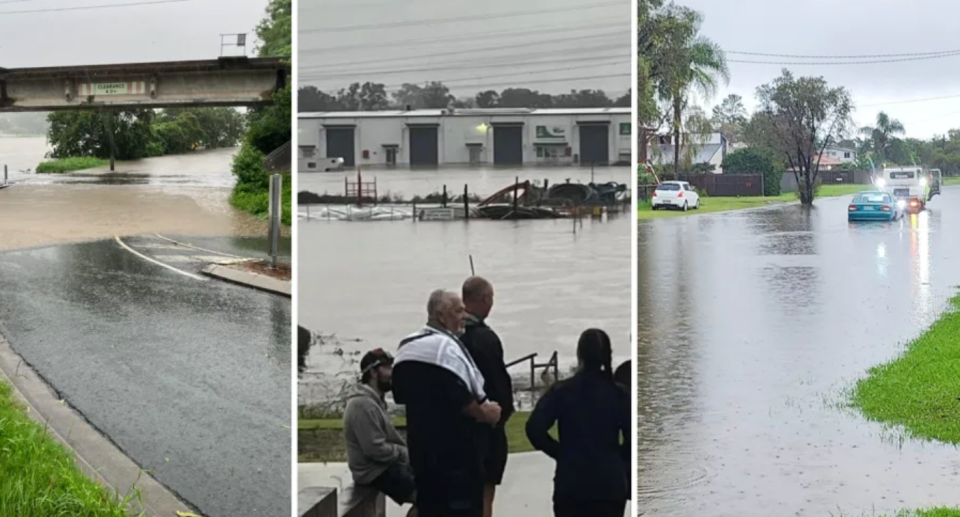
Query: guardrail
x=553 y=363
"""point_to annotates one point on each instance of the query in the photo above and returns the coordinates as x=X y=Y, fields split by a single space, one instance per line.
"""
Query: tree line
x=142 y=133
x=436 y=95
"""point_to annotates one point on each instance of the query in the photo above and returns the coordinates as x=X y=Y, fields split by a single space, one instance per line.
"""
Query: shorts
x=396 y=483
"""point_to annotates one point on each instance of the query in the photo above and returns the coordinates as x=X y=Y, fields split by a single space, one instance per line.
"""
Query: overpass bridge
x=227 y=81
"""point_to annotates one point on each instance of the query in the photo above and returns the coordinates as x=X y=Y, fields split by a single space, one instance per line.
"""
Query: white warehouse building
x=425 y=138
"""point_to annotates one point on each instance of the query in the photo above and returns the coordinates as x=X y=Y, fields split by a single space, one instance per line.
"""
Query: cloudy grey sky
x=160 y=32
x=851 y=27
x=470 y=45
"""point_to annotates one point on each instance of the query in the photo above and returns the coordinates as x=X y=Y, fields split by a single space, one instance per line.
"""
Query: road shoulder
x=96 y=456
x=246 y=278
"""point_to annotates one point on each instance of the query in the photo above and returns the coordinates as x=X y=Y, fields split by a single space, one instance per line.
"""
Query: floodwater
x=751 y=327
x=482 y=181
x=185 y=195
x=368 y=283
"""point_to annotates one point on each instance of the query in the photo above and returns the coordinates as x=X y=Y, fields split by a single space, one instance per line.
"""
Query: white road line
x=157 y=262
x=184 y=244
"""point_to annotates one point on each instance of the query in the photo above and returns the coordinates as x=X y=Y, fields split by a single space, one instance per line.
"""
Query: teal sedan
x=875 y=206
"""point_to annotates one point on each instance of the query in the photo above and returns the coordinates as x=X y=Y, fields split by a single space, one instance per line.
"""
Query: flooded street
x=185 y=195
x=482 y=181
x=368 y=282
x=752 y=326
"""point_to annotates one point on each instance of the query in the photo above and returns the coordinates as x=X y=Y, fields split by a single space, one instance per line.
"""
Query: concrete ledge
x=99 y=458
x=317 y=502
x=246 y=278
x=353 y=501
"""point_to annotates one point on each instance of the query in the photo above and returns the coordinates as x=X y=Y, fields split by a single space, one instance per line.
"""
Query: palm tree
x=882 y=138
x=688 y=62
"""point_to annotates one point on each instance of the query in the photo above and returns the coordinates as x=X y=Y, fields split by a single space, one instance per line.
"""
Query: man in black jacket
x=487 y=352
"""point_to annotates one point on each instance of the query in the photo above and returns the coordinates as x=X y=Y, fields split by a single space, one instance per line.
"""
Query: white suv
x=675 y=194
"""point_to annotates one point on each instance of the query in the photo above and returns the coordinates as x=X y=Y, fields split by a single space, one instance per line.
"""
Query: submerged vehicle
x=909 y=185
x=874 y=206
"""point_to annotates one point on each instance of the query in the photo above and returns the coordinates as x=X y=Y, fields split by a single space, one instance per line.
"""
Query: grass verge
x=257 y=202
x=920 y=390
x=321 y=440
x=70 y=164
x=726 y=204
x=38 y=477
x=932 y=512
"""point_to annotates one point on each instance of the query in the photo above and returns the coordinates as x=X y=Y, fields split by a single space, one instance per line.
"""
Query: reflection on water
x=184 y=195
x=751 y=326
x=368 y=282
x=484 y=181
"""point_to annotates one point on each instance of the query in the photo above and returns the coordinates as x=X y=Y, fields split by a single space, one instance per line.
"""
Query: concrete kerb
x=95 y=454
x=246 y=278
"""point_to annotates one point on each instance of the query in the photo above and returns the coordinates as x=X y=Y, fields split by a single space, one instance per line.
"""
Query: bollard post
x=516 y=188
x=276 y=208
x=443 y=199
x=466 y=202
x=4 y=174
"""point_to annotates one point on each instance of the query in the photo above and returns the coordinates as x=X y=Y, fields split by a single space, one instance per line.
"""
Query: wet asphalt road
x=751 y=326
x=191 y=378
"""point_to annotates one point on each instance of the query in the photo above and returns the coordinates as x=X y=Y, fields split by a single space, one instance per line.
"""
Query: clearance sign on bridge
x=98 y=89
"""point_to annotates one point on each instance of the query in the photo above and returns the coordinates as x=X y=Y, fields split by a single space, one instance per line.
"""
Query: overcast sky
x=470 y=45
x=160 y=32
x=851 y=27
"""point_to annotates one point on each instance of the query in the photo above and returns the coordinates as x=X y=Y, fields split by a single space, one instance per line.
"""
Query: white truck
x=911 y=186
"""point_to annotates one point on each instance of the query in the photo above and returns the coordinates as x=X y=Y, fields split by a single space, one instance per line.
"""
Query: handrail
x=552 y=363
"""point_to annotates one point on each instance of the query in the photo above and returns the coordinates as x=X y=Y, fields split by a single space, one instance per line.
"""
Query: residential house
x=709 y=148
x=839 y=153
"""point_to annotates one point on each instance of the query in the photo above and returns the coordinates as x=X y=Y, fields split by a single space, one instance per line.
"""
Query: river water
x=752 y=327
x=181 y=195
x=368 y=282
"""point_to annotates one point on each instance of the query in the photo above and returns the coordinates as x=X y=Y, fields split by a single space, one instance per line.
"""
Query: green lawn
x=951 y=180
x=725 y=204
x=321 y=440
x=920 y=390
x=70 y=164
x=38 y=477
x=933 y=512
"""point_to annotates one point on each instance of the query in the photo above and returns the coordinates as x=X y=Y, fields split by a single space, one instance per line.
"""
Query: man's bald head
x=478 y=296
x=445 y=310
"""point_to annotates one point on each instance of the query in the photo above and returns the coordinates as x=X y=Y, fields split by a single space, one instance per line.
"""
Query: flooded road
x=751 y=327
x=482 y=181
x=369 y=281
x=190 y=377
x=186 y=195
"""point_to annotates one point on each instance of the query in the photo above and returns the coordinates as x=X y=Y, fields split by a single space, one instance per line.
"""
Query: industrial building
x=430 y=138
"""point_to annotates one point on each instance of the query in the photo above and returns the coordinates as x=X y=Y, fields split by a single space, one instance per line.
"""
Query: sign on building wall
x=97 y=89
x=626 y=128
x=547 y=132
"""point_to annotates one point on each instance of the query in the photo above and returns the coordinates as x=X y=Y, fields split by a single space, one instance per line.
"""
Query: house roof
x=705 y=153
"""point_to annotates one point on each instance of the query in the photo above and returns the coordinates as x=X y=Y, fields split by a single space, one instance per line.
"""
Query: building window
x=846 y=155
x=626 y=128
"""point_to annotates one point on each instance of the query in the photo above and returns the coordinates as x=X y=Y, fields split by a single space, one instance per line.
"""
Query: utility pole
x=113 y=146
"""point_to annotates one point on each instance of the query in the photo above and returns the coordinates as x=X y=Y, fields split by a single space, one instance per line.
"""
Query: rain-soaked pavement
x=751 y=327
x=190 y=378
x=368 y=282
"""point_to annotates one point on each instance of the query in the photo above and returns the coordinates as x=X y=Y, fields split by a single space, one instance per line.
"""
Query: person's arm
x=459 y=395
x=625 y=430
x=369 y=428
x=542 y=419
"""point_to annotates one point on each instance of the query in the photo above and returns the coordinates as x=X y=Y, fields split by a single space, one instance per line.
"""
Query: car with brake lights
x=875 y=206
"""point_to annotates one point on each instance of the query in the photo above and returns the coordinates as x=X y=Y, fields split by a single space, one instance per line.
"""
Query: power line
x=514 y=74
x=461 y=52
x=480 y=86
x=910 y=101
x=625 y=59
x=861 y=56
x=518 y=73
x=546 y=29
x=843 y=63
x=91 y=7
x=456 y=19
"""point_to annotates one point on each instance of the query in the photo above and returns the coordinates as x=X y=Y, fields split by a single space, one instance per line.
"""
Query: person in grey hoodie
x=376 y=453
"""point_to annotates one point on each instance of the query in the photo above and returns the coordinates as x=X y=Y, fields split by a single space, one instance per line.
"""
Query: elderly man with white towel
x=438 y=381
